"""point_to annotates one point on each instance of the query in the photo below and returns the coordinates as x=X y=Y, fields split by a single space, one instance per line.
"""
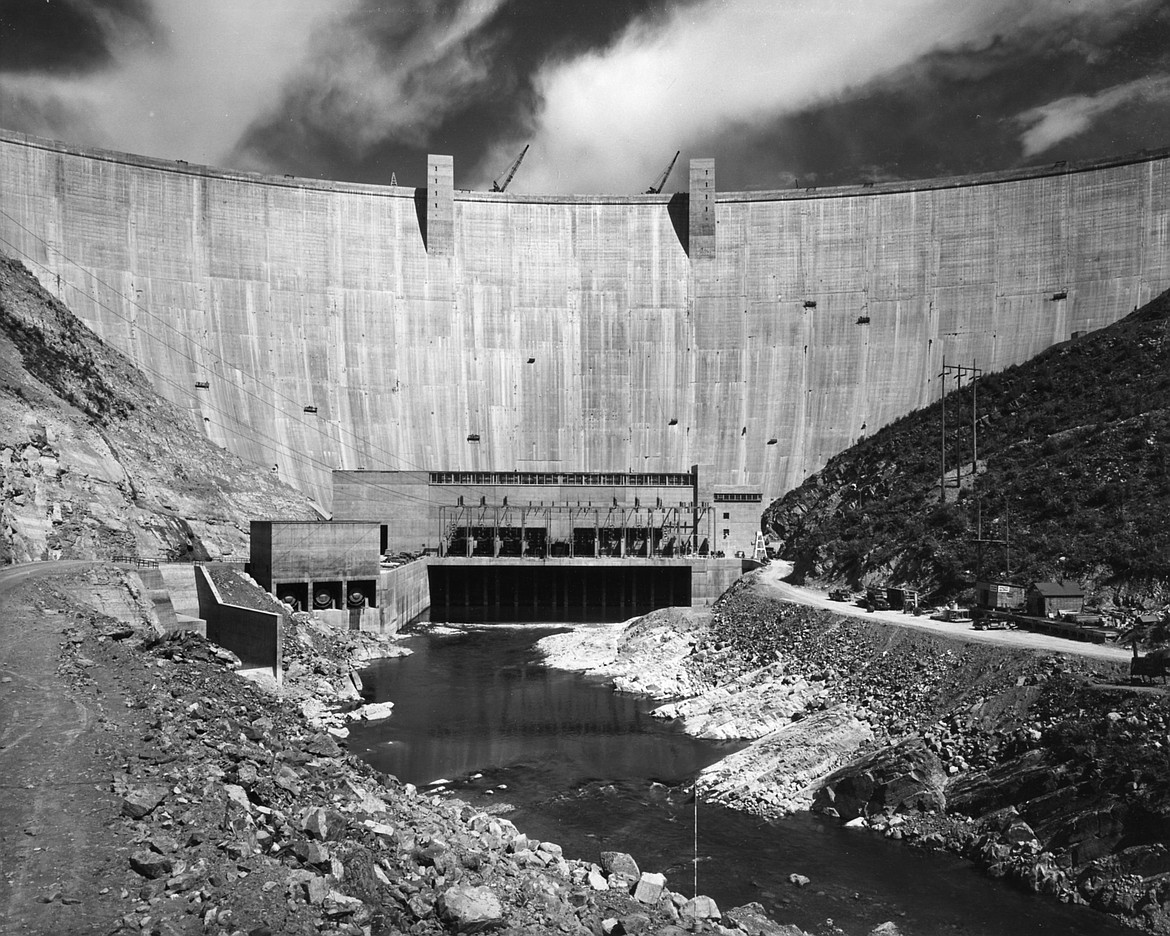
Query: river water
x=578 y=764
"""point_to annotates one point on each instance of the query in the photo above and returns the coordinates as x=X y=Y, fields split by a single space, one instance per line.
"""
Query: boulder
x=313 y=853
x=621 y=868
x=752 y=920
x=597 y=881
x=700 y=908
x=467 y=909
x=322 y=824
x=322 y=745
x=140 y=801
x=237 y=799
x=374 y=711
x=287 y=778
x=634 y=923
x=904 y=776
x=151 y=864
x=650 y=888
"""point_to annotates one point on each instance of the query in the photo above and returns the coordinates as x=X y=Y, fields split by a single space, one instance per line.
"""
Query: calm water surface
x=590 y=769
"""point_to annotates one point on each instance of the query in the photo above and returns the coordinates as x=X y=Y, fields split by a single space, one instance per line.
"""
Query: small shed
x=999 y=596
x=1048 y=599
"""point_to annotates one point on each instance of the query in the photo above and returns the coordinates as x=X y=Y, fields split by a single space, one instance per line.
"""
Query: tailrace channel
x=570 y=760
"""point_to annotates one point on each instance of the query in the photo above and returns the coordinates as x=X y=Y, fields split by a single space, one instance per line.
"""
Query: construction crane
x=497 y=185
x=660 y=182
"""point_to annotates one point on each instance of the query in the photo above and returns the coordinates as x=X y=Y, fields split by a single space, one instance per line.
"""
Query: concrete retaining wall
x=179 y=581
x=256 y=637
x=403 y=594
x=310 y=325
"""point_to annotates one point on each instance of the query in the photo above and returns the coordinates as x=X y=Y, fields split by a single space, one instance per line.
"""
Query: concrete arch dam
x=322 y=325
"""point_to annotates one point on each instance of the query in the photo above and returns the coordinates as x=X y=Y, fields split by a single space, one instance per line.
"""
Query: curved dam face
x=315 y=326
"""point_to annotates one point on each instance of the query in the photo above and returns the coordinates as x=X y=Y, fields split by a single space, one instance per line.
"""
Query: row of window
x=732 y=497
x=578 y=478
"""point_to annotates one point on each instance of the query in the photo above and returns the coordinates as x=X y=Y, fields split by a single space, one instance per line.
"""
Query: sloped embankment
x=1073 y=472
x=94 y=464
x=220 y=809
x=1039 y=767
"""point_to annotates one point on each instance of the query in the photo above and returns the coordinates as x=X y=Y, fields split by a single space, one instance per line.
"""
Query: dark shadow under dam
x=538 y=592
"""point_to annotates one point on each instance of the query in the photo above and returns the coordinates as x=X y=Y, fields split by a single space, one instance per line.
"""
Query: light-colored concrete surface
x=815 y=317
x=771 y=577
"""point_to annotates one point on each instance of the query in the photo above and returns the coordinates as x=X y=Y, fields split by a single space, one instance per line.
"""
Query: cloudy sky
x=780 y=92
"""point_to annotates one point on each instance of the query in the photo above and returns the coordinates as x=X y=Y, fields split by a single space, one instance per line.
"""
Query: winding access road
x=771 y=578
x=55 y=841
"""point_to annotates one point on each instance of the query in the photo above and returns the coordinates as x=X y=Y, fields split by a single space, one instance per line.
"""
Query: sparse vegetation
x=1073 y=477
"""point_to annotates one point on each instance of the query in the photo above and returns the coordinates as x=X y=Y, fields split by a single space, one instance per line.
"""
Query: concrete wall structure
x=337 y=570
x=256 y=637
x=301 y=550
x=404 y=595
x=322 y=325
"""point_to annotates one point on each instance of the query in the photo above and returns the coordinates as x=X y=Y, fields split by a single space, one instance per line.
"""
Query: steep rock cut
x=94 y=464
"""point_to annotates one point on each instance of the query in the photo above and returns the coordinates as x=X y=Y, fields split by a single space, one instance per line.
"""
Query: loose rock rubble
x=236 y=815
x=320 y=664
x=1036 y=767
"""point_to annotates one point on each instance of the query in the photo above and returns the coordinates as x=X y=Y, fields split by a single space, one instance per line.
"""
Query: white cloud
x=190 y=95
x=1067 y=117
x=609 y=120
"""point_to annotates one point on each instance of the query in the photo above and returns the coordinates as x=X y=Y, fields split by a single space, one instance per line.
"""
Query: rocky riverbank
x=1042 y=768
x=217 y=807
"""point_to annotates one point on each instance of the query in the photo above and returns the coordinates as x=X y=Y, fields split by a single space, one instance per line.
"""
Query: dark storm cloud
x=69 y=36
x=427 y=77
x=776 y=90
x=969 y=109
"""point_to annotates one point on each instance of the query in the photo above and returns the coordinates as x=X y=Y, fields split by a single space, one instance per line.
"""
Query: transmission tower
x=959 y=372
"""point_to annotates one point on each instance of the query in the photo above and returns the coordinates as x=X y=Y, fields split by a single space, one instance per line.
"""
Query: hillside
x=93 y=463
x=1073 y=476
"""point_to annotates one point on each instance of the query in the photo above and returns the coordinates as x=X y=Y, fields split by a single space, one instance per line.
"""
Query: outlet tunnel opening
x=570 y=593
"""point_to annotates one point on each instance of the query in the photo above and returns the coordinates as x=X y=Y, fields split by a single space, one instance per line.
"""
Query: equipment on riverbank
x=1154 y=663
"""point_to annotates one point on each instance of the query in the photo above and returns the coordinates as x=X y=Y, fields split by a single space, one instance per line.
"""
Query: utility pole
x=942 y=476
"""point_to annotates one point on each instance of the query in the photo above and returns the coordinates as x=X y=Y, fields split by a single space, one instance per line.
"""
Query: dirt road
x=55 y=797
x=772 y=575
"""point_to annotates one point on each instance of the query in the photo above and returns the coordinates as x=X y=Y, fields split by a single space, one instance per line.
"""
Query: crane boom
x=660 y=182
x=497 y=185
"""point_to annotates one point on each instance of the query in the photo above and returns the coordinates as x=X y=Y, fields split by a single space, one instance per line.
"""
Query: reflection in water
x=590 y=769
